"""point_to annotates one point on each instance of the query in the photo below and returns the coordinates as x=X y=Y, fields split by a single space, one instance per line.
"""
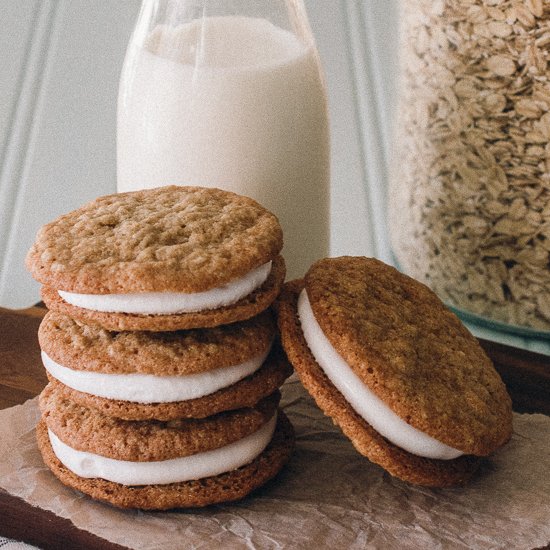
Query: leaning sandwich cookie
x=161 y=260
x=159 y=465
x=397 y=371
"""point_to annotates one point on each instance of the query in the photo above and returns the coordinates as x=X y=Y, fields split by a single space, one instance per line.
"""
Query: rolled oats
x=470 y=192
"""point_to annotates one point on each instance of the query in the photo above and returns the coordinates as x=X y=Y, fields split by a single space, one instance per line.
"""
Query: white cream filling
x=148 y=388
x=364 y=401
x=197 y=466
x=169 y=303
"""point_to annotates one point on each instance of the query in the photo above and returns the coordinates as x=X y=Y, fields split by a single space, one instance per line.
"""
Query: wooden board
x=526 y=374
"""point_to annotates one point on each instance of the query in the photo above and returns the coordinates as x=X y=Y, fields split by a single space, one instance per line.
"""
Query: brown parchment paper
x=329 y=496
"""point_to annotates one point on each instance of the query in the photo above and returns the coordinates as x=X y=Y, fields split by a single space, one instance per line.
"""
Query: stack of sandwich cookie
x=395 y=369
x=140 y=412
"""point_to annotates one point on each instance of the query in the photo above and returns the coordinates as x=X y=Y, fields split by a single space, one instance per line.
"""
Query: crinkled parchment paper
x=329 y=496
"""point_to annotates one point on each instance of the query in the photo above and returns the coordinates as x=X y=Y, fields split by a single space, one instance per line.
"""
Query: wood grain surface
x=526 y=375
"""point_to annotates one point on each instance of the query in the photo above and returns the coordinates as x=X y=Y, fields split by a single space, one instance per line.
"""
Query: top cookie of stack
x=160 y=260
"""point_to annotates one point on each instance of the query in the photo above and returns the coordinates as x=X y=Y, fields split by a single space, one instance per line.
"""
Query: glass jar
x=469 y=194
x=229 y=94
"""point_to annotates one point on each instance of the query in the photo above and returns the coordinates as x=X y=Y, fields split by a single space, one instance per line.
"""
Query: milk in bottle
x=233 y=102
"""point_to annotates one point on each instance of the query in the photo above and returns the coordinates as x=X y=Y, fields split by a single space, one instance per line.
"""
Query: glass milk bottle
x=230 y=94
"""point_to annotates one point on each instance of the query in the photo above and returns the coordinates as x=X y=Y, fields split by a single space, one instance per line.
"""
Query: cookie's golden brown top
x=178 y=239
x=411 y=351
x=80 y=346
